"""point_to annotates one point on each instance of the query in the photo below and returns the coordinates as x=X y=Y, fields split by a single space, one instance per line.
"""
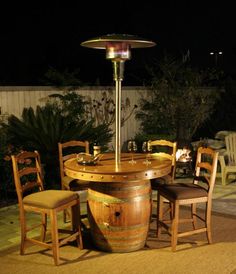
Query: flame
x=182 y=155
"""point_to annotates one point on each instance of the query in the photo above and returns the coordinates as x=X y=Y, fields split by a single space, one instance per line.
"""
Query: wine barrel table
x=119 y=198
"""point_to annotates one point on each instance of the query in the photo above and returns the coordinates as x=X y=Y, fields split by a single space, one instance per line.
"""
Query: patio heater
x=117 y=48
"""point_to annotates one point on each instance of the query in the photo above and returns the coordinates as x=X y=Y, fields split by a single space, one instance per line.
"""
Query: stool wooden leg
x=174 y=226
x=44 y=226
x=193 y=215
x=160 y=202
x=76 y=223
x=23 y=231
x=208 y=221
x=55 y=238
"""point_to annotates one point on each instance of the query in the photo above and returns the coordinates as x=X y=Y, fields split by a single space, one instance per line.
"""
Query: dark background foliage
x=43 y=128
x=181 y=99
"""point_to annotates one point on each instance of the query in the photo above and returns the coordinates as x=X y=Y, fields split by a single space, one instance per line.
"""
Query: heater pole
x=118 y=74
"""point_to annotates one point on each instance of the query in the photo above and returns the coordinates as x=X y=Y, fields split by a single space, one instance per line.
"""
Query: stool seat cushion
x=180 y=191
x=74 y=184
x=160 y=181
x=50 y=199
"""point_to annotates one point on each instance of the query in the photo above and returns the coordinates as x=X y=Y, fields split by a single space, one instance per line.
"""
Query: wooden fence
x=13 y=99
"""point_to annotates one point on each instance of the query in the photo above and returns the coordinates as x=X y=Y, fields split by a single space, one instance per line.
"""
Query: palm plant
x=42 y=130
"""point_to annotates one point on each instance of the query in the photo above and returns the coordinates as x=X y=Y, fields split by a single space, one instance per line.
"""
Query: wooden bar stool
x=28 y=178
x=178 y=194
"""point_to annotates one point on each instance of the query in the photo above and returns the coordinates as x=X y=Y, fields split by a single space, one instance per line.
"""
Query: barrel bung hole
x=117 y=213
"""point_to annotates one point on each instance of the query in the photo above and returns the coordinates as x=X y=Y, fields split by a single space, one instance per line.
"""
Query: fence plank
x=14 y=99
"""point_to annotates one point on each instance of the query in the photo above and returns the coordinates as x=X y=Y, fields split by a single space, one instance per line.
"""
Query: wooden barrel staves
x=119 y=214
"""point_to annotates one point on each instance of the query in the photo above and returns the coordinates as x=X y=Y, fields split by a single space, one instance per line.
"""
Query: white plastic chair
x=228 y=160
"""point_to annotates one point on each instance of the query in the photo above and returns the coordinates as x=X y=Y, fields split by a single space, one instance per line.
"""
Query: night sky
x=39 y=36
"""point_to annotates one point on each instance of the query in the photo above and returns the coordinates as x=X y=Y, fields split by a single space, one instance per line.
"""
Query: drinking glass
x=132 y=147
x=144 y=147
x=147 y=148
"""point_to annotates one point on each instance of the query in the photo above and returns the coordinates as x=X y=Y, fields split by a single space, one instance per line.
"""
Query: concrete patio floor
x=224 y=201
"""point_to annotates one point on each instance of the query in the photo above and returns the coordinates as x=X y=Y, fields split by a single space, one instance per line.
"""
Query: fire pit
x=183 y=163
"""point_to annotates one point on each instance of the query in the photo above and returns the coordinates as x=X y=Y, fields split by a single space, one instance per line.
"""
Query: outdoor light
x=117 y=48
x=212 y=53
x=216 y=54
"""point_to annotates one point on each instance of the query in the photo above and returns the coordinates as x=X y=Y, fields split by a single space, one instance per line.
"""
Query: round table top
x=142 y=167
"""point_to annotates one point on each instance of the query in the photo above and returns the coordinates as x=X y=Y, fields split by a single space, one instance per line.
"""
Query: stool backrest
x=169 y=153
x=27 y=173
x=70 y=150
x=206 y=167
